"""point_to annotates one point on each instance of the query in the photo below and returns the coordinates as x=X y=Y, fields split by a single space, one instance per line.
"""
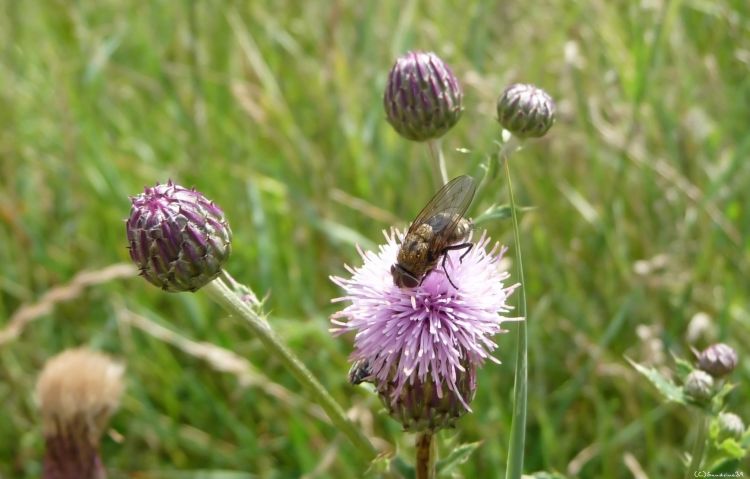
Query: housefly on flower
x=440 y=227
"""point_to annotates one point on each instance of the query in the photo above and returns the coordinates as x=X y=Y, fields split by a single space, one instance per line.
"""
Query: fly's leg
x=466 y=246
x=449 y=278
x=468 y=249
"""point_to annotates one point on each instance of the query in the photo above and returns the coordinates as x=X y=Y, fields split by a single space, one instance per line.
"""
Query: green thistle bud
x=177 y=237
x=718 y=360
x=730 y=426
x=422 y=97
x=420 y=406
x=699 y=387
x=526 y=111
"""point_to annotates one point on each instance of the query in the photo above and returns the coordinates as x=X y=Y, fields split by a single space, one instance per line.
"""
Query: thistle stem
x=520 y=388
x=436 y=151
x=224 y=295
x=426 y=456
x=507 y=148
x=70 y=453
x=698 y=447
x=488 y=173
x=245 y=293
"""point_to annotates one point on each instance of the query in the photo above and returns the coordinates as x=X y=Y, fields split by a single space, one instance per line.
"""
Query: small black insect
x=440 y=227
x=360 y=372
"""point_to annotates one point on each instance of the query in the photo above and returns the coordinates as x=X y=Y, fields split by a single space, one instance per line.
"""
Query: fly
x=440 y=227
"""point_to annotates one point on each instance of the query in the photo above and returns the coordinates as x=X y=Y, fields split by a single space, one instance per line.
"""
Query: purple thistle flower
x=526 y=110
x=433 y=334
x=177 y=237
x=718 y=360
x=422 y=99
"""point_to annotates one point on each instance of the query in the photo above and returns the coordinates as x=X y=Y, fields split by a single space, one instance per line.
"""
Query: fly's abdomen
x=462 y=231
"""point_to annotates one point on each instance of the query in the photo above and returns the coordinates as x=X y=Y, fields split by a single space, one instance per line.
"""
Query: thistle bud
x=699 y=387
x=178 y=238
x=78 y=390
x=422 y=97
x=422 y=406
x=718 y=360
x=526 y=111
x=730 y=426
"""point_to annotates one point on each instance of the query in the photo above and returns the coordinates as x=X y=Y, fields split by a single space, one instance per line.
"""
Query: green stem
x=245 y=293
x=488 y=173
x=436 y=151
x=698 y=447
x=426 y=456
x=232 y=303
x=507 y=148
x=520 y=388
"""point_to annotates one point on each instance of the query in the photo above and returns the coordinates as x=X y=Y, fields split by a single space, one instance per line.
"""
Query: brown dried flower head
x=79 y=385
x=78 y=390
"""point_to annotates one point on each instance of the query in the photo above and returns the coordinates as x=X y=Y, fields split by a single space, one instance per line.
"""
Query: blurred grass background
x=638 y=234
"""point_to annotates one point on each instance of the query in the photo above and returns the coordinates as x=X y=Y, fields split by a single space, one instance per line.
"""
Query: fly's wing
x=450 y=203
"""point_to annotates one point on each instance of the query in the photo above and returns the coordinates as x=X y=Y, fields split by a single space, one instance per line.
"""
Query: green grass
x=273 y=110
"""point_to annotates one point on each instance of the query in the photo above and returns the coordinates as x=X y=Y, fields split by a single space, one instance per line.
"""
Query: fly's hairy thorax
x=418 y=254
x=415 y=254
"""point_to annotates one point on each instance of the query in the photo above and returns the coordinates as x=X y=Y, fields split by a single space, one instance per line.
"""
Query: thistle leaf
x=664 y=385
x=457 y=457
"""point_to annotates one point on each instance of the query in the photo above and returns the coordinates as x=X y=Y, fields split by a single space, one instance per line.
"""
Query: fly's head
x=403 y=278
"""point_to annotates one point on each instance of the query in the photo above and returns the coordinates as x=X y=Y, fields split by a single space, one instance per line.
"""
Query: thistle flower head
x=718 y=360
x=78 y=390
x=730 y=425
x=699 y=387
x=526 y=111
x=177 y=237
x=422 y=97
x=423 y=345
x=421 y=405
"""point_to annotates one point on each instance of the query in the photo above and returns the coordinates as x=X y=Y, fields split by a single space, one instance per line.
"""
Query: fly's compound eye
x=409 y=281
x=402 y=278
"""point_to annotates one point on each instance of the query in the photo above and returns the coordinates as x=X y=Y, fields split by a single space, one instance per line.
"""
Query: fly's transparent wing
x=446 y=209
